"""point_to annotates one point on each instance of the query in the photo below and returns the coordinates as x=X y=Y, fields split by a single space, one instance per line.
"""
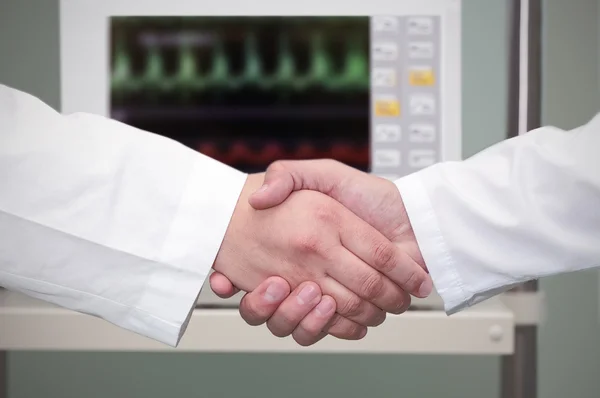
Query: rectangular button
x=387 y=106
x=420 y=26
x=386 y=51
x=420 y=158
x=384 y=77
x=387 y=158
x=385 y=24
x=387 y=133
x=422 y=133
x=420 y=49
x=422 y=105
x=421 y=76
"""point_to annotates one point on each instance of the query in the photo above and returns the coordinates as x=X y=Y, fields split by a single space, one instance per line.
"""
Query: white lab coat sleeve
x=522 y=209
x=105 y=219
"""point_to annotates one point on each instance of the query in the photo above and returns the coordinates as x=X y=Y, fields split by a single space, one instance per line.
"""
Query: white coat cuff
x=441 y=266
x=192 y=244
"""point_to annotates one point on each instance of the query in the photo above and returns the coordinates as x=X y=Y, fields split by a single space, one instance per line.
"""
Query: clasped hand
x=339 y=238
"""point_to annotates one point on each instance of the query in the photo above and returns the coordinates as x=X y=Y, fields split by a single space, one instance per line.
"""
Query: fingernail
x=306 y=295
x=274 y=293
x=324 y=308
x=363 y=333
x=425 y=288
x=262 y=189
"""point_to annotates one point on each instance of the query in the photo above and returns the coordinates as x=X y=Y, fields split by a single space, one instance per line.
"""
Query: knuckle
x=304 y=341
x=359 y=333
x=376 y=318
x=402 y=305
x=280 y=326
x=301 y=341
x=353 y=331
x=413 y=279
x=351 y=307
x=251 y=313
x=310 y=329
x=333 y=324
x=407 y=303
x=325 y=213
x=372 y=286
x=277 y=331
x=278 y=165
x=379 y=319
x=343 y=328
x=307 y=243
x=384 y=256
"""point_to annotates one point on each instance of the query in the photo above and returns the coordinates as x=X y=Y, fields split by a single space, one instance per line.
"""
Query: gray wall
x=569 y=341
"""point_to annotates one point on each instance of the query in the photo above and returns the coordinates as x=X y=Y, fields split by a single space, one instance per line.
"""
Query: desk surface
x=29 y=324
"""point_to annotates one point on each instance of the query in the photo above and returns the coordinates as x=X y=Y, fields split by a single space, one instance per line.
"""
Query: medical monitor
x=374 y=84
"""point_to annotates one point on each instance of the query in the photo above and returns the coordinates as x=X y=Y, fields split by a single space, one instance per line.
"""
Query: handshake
x=322 y=248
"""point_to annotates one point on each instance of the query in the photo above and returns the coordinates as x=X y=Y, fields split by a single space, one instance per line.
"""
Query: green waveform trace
x=188 y=78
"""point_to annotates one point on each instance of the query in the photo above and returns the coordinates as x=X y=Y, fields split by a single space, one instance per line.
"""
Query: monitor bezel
x=84 y=44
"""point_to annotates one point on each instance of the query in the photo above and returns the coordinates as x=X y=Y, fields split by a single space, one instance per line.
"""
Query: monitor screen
x=248 y=91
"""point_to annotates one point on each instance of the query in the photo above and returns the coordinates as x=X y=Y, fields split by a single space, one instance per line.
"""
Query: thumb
x=284 y=177
x=222 y=286
x=277 y=186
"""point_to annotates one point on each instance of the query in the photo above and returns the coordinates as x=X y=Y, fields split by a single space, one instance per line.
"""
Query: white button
x=385 y=51
x=387 y=158
x=420 y=26
x=387 y=133
x=385 y=24
x=420 y=49
x=422 y=105
x=421 y=133
x=419 y=158
x=384 y=77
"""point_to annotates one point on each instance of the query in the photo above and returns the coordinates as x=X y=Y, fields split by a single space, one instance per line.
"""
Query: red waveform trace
x=240 y=153
x=209 y=149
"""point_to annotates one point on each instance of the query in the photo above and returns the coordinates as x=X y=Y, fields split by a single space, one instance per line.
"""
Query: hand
x=287 y=314
x=374 y=199
x=327 y=244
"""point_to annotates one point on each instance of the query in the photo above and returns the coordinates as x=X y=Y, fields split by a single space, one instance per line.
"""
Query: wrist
x=405 y=235
x=235 y=229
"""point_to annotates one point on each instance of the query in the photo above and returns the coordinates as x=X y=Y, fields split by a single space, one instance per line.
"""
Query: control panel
x=405 y=94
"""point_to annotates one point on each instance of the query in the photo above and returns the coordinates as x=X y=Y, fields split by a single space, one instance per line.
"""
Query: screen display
x=248 y=91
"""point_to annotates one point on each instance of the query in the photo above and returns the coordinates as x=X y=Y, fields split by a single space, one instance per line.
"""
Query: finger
x=350 y=306
x=343 y=328
x=312 y=326
x=381 y=254
x=294 y=308
x=307 y=341
x=368 y=283
x=284 y=177
x=259 y=305
x=222 y=286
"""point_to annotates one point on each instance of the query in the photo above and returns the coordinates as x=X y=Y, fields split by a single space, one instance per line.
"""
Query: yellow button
x=422 y=77
x=387 y=107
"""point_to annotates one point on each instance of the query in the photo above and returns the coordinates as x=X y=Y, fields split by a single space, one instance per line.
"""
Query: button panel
x=405 y=94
